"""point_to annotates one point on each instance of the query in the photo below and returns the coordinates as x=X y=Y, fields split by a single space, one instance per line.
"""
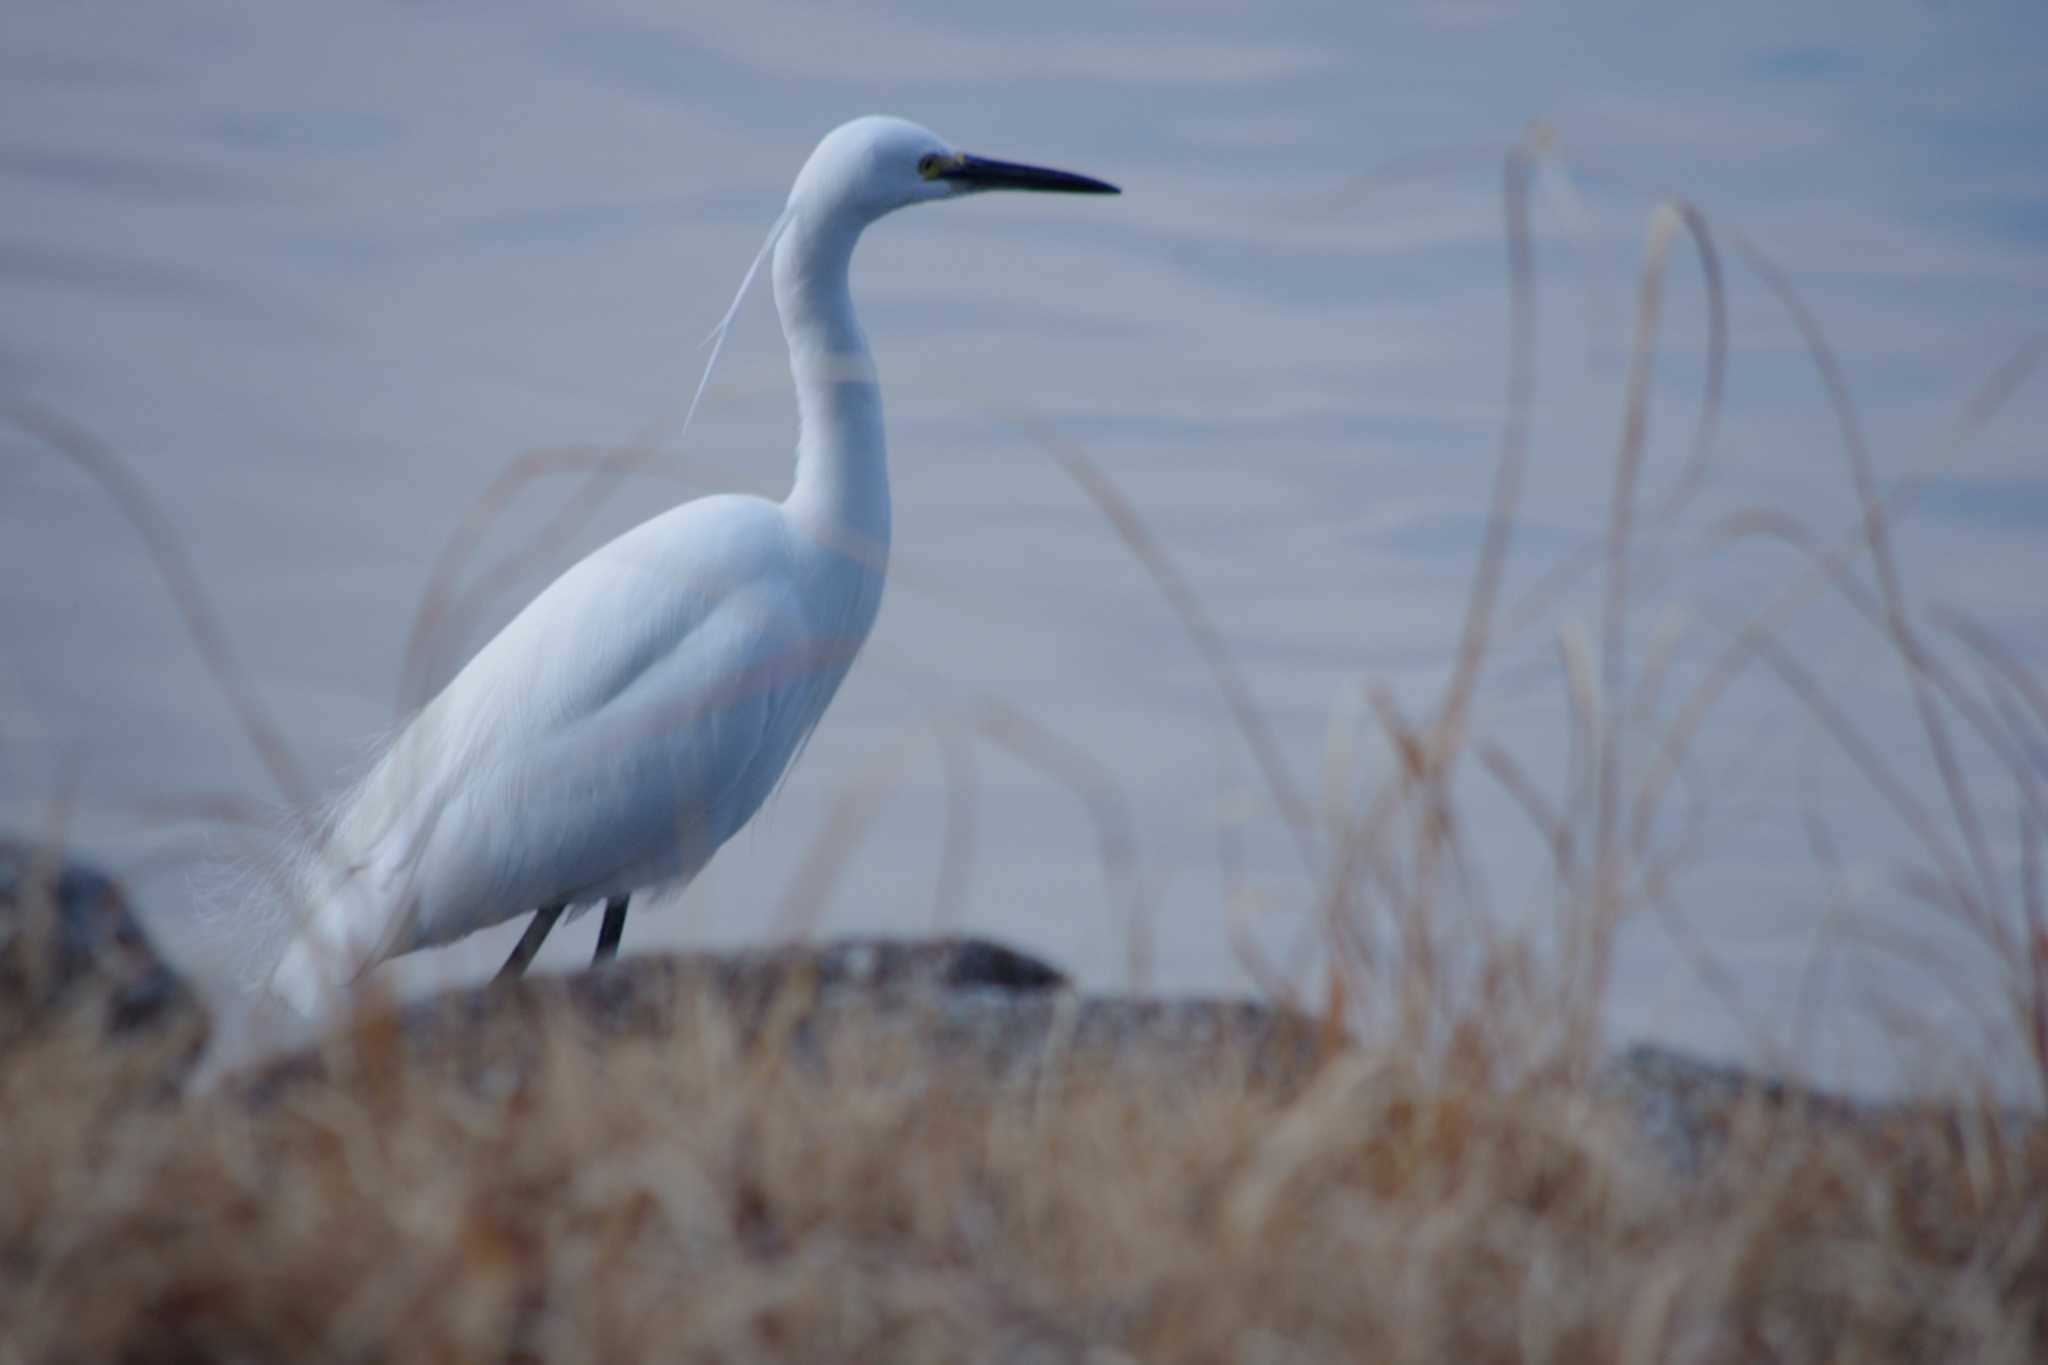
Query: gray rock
x=1688 y=1110
x=977 y=1009
x=989 y=1010
x=71 y=949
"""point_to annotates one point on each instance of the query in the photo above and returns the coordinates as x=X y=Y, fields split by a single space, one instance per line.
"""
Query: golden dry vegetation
x=538 y=1186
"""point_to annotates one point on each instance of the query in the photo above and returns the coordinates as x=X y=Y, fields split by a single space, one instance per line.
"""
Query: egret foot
x=613 y=928
x=530 y=941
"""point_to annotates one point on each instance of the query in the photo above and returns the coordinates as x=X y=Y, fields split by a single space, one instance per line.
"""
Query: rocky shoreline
x=942 y=1150
x=67 y=936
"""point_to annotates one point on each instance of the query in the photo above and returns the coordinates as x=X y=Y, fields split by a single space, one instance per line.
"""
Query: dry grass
x=690 y=1194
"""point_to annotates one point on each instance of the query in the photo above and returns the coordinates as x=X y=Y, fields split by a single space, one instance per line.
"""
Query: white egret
x=639 y=710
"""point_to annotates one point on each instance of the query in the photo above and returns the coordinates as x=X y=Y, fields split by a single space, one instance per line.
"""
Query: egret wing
x=644 y=787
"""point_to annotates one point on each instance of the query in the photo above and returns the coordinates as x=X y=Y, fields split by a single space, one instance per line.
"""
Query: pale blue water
x=319 y=273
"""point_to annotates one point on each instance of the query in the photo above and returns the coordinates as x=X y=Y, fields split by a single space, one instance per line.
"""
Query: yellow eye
x=930 y=164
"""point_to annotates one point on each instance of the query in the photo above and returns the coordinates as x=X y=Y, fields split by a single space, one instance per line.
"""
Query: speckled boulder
x=74 y=961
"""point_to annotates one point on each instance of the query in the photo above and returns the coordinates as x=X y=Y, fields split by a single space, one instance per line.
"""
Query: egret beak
x=981 y=173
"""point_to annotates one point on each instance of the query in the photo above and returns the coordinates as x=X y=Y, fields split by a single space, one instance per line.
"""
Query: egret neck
x=841 y=494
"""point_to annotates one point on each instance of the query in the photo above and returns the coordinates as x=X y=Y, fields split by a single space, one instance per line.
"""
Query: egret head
x=876 y=165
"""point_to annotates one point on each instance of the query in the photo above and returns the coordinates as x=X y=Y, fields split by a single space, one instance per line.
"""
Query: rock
x=992 y=1010
x=71 y=949
x=975 y=1009
x=1689 y=1111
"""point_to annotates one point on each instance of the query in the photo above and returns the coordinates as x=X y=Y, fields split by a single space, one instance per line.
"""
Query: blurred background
x=321 y=273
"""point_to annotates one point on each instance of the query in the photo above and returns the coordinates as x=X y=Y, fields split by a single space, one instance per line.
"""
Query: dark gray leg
x=612 y=930
x=529 y=942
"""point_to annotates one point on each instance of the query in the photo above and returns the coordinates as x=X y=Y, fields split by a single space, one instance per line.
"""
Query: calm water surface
x=321 y=273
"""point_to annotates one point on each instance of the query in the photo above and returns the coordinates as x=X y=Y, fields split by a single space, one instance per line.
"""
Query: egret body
x=638 y=711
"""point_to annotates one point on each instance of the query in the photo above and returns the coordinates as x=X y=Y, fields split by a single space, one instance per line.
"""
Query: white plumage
x=639 y=710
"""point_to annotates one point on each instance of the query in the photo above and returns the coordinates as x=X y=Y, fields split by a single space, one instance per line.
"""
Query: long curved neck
x=841 y=494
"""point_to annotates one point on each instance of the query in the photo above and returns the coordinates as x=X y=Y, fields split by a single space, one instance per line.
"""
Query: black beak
x=980 y=173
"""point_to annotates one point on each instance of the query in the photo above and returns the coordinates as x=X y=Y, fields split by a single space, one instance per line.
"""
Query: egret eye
x=929 y=164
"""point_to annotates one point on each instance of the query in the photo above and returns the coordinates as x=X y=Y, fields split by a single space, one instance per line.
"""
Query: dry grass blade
x=1770 y=523
x=1447 y=733
x=2022 y=706
x=1881 y=776
x=858 y=803
x=1543 y=595
x=1876 y=533
x=1692 y=475
x=1876 y=512
x=1713 y=973
x=1274 y=982
x=174 y=566
x=956 y=847
x=447 y=604
x=1996 y=653
x=1820 y=843
x=1515 y=782
x=1130 y=528
x=2018 y=736
x=1356 y=190
x=853 y=810
x=1772 y=617
x=1109 y=811
x=1606 y=907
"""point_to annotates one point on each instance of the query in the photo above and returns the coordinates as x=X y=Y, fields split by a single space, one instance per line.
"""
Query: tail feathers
x=310 y=978
x=345 y=931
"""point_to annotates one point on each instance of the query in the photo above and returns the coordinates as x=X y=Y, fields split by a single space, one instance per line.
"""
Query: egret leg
x=613 y=928
x=529 y=943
